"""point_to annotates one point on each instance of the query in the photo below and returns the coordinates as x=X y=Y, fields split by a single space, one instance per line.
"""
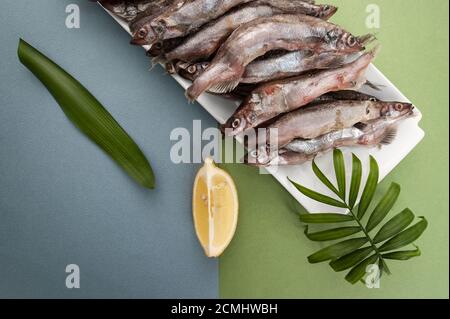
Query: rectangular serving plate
x=409 y=134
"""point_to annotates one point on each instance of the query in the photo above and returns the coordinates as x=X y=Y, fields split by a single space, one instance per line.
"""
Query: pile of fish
x=289 y=67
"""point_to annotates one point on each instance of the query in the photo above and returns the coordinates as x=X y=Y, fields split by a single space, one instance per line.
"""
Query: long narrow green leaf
x=406 y=237
x=395 y=225
x=325 y=218
x=350 y=260
x=332 y=234
x=356 y=181
x=88 y=114
x=383 y=267
x=337 y=250
x=369 y=189
x=358 y=272
x=320 y=175
x=383 y=207
x=317 y=196
x=339 y=169
x=403 y=255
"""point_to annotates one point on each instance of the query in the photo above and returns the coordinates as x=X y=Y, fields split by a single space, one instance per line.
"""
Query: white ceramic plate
x=408 y=136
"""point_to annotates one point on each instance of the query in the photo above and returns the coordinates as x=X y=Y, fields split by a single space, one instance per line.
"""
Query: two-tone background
x=62 y=201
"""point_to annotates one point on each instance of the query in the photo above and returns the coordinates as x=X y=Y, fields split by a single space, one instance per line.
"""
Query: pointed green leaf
x=406 y=237
x=383 y=267
x=358 y=272
x=337 y=250
x=356 y=181
x=317 y=196
x=339 y=169
x=332 y=234
x=325 y=218
x=403 y=255
x=350 y=260
x=88 y=115
x=320 y=175
x=397 y=223
x=383 y=207
x=369 y=189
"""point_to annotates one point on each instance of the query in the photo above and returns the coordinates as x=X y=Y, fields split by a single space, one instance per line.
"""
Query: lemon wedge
x=215 y=208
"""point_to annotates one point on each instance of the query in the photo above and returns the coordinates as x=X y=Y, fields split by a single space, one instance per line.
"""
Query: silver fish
x=254 y=39
x=291 y=64
x=314 y=121
x=376 y=132
x=204 y=43
x=183 y=17
x=275 y=98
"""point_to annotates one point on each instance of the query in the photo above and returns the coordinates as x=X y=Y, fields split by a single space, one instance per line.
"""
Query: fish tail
x=217 y=77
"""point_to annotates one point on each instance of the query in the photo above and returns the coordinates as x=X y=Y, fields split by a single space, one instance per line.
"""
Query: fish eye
x=254 y=153
x=236 y=123
x=142 y=33
x=192 y=69
x=351 y=41
x=398 y=107
x=372 y=99
x=326 y=7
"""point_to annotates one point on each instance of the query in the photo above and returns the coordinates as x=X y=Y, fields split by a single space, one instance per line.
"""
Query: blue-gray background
x=62 y=200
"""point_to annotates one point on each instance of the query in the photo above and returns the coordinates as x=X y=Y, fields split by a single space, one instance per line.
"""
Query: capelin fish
x=182 y=18
x=291 y=64
x=256 y=38
x=314 y=121
x=378 y=132
x=128 y=10
x=204 y=43
x=275 y=98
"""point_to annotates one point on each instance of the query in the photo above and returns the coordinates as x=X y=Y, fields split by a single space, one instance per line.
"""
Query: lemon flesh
x=215 y=208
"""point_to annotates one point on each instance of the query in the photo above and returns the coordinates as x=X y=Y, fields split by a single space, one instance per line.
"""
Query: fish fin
x=390 y=136
x=224 y=87
x=374 y=86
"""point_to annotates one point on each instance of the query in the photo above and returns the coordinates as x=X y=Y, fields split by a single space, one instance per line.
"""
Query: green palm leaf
x=339 y=169
x=351 y=259
x=394 y=226
x=332 y=234
x=358 y=272
x=321 y=176
x=406 y=237
x=369 y=189
x=325 y=218
x=383 y=207
x=317 y=196
x=356 y=181
x=348 y=254
x=403 y=255
x=337 y=250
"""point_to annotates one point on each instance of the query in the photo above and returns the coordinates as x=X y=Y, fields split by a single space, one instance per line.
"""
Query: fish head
x=326 y=11
x=144 y=35
x=197 y=68
x=396 y=109
x=245 y=117
x=344 y=41
x=235 y=125
x=259 y=157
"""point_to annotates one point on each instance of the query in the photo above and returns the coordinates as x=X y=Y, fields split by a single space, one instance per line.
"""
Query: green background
x=267 y=257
